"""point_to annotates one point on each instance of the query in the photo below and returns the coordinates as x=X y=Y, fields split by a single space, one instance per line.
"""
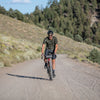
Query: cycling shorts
x=48 y=52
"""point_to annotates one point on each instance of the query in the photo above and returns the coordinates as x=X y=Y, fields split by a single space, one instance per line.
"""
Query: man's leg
x=45 y=61
x=53 y=66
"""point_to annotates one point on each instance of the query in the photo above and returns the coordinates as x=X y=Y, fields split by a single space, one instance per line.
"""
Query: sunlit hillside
x=20 y=41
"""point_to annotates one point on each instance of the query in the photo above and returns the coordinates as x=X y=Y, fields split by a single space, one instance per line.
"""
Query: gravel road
x=29 y=81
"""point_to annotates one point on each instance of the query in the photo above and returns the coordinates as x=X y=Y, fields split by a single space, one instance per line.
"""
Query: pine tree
x=71 y=18
x=2 y=10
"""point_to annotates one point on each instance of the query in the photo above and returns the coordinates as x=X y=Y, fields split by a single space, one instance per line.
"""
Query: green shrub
x=6 y=61
x=78 y=38
x=94 y=56
x=61 y=33
x=52 y=29
x=69 y=35
x=39 y=49
x=98 y=46
x=41 y=26
x=88 y=41
x=1 y=64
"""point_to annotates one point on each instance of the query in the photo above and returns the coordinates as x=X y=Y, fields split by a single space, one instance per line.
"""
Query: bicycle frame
x=50 y=69
x=49 y=66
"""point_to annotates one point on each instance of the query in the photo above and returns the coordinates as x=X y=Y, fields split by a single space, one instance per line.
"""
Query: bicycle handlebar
x=49 y=56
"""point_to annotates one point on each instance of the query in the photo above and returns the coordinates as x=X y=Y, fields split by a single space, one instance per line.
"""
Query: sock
x=53 y=71
x=45 y=64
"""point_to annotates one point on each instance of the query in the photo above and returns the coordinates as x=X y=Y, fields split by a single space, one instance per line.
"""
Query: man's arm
x=43 y=46
x=56 y=47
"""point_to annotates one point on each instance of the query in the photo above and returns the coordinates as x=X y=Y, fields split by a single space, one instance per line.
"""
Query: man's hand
x=54 y=53
x=42 y=56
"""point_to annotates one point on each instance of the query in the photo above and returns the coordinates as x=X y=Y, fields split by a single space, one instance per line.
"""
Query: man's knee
x=45 y=60
x=53 y=61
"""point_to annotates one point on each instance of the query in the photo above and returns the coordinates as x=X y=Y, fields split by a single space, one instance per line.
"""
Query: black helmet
x=50 y=32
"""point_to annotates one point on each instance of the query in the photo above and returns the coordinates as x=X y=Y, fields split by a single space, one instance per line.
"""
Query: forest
x=77 y=19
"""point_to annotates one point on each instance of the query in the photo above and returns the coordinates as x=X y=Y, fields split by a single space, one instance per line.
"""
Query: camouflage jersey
x=50 y=44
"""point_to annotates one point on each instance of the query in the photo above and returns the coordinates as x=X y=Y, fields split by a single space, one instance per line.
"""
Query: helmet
x=50 y=32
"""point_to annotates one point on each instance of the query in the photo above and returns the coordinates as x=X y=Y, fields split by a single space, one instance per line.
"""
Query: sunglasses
x=50 y=35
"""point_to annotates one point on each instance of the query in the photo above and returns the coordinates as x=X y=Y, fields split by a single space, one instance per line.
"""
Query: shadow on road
x=21 y=76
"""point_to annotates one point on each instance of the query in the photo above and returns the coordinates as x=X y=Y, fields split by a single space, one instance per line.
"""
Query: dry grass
x=15 y=50
x=31 y=33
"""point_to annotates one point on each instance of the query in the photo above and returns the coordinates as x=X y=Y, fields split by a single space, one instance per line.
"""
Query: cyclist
x=51 y=44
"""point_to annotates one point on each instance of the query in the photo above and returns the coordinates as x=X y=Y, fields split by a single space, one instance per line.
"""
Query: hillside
x=31 y=37
x=77 y=19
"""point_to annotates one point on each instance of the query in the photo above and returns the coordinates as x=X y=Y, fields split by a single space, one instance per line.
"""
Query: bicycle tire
x=50 y=70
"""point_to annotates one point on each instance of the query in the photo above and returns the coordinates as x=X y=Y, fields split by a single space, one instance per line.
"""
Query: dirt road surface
x=29 y=81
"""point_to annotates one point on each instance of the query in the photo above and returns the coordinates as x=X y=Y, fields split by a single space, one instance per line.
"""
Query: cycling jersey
x=50 y=44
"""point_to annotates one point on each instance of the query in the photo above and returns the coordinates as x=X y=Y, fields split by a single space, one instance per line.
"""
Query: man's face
x=50 y=36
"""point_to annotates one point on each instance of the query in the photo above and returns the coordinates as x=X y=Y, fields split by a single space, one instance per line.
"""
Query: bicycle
x=49 y=66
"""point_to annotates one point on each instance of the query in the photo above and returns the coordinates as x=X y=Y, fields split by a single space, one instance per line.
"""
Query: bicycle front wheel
x=50 y=71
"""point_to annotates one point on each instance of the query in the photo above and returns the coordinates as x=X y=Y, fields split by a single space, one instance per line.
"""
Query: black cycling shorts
x=48 y=52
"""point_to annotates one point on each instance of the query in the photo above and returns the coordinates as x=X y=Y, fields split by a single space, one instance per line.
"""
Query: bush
x=78 y=38
x=98 y=46
x=1 y=64
x=61 y=33
x=88 y=41
x=41 y=26
x=52 y=29
x=94 y=56
x=69 y=35
x=6 y=61
x=39 y=49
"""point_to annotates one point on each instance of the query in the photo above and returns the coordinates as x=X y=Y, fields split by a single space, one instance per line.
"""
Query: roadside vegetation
x=16 y=50
x=94 y=56
x=77 y=19
x=20 y=41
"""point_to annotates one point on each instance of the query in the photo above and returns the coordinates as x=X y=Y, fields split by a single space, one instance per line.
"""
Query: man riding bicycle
x=51 y=44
